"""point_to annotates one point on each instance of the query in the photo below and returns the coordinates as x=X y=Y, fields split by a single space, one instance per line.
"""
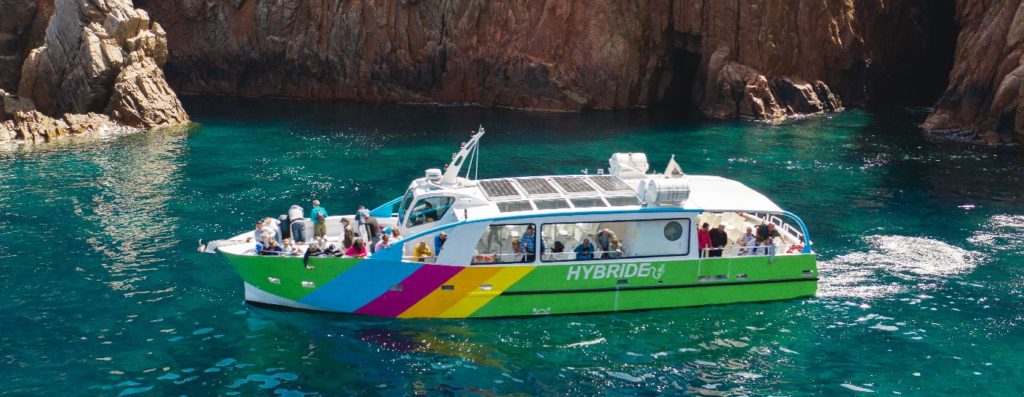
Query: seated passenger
x=615 y=250
x=421 y=252
x=271 y=248
x=517 y=253
x=395 y=234
x=557 y=247
x=384 y=243
x=289 y=248
x=585 y=250
x=257 y=233
x=358 y=249
x=767 y=233
x=746 y=242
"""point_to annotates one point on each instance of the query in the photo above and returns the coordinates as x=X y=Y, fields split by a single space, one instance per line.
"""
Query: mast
x=451 y=173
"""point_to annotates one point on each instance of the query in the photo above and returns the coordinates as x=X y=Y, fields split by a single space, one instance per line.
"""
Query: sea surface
x=102 y=292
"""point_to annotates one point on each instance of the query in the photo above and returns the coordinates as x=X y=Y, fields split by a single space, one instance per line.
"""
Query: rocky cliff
x=763 y=59
x=985 y=95
x=98 y=69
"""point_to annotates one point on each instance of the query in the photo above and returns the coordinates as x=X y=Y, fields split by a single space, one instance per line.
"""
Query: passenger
x=604 y=239
x=758 y=244
x=319 y=215
x=285 y=226
x=703 y=239
x=271 y=248
x=396 y=234
x=615 y=249
x=360 y=217
x=274 y=227
x=422 y=252
x=347 y=233
x=289 y=248
x=372 y=232
x=439 y=241
x=747 y=241
x=557 y=247
x=295 y=216
x=358 y=249
x=585 y=250
x=718 y=241
x=528 y=244
x=257 y=234
x=767 y=233
x=517 y=252
x=384 y=243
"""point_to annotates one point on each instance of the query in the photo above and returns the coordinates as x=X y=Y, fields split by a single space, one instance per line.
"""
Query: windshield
x=429 y=210
x=404 y=205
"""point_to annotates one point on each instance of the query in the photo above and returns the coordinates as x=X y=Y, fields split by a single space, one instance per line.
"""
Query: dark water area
x=102 y=292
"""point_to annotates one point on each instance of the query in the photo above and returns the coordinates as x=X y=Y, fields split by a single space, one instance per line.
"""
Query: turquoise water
x=102 y=291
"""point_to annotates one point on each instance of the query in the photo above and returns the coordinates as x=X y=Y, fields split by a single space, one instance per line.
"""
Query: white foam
x=910 y=258
x=857 y=388
x=625 y=376
x=587 y=342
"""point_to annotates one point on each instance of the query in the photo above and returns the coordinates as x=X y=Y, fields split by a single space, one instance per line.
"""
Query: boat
x=619 y=239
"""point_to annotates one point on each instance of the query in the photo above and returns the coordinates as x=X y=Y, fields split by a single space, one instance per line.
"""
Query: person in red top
x=704 y=238
x=358 y=249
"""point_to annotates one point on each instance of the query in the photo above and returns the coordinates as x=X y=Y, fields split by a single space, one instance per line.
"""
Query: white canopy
x=717 y=194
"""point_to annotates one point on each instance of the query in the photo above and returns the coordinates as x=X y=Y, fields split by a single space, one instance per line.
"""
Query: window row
x=521 y=243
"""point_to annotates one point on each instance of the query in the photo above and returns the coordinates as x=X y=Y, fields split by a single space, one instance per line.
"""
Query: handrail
x=385 y=210
x=803 y=228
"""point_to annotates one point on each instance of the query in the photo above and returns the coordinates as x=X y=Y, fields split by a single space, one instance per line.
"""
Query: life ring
x=795 y=248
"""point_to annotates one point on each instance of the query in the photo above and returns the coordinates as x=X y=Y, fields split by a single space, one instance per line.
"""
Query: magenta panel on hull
x=414 y=288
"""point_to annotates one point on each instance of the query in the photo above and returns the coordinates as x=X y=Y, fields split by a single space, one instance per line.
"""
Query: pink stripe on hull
x=414 y=288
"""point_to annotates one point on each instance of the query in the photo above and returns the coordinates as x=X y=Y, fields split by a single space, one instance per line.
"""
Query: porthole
x=673 y=230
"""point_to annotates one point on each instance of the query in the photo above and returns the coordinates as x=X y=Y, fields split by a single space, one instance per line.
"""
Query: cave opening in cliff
x=919 y=56
x=679 y=97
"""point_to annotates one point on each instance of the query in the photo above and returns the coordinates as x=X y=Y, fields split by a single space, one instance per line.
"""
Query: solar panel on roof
x=611 y=184
x=536 y=186
x=573 y=184
x=499 y=188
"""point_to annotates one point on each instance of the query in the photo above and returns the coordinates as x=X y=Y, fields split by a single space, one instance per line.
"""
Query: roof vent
x=433 y=175
x=628 y=165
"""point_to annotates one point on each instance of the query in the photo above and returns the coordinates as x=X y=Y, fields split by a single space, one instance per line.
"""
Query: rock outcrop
x=985 y=96
x=765 y=59
x=99 y=69
x=22 y=25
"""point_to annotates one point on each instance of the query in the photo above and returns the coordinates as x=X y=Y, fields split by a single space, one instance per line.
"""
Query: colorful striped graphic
x=389 y=288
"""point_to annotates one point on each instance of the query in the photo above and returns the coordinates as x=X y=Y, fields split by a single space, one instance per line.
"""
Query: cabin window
x=506 y=244
x=429 y=210
x=622 y=201
x=614 y=240
x=514 y=206
x=552 y=204
x=587 y=202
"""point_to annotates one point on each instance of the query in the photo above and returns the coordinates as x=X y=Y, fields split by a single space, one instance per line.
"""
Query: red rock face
x=554 y=55
x=985 y=89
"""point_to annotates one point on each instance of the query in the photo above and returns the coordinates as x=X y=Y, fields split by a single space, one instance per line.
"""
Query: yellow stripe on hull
x=476 y=299
x=465 y=282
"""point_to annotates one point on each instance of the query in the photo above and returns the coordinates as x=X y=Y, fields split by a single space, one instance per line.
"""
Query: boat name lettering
x=614 y=270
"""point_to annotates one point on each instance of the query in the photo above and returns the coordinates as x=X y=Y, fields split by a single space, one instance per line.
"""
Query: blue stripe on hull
x=361 y=284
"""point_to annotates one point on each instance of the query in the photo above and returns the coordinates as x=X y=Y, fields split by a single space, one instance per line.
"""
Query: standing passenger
x=295 y=216
x=439 y=241
x=319 y=215
x=372 y=232
x=718 y=241
x=285 y=225
x=348 y=234
x=703 y=239
x=604 y=239
x=529 y=244
x=361 y=214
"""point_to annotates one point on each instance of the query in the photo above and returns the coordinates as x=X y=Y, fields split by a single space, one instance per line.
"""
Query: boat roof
x=707 y=192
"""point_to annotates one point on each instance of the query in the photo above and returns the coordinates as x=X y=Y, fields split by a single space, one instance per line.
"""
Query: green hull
x=417 y=290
